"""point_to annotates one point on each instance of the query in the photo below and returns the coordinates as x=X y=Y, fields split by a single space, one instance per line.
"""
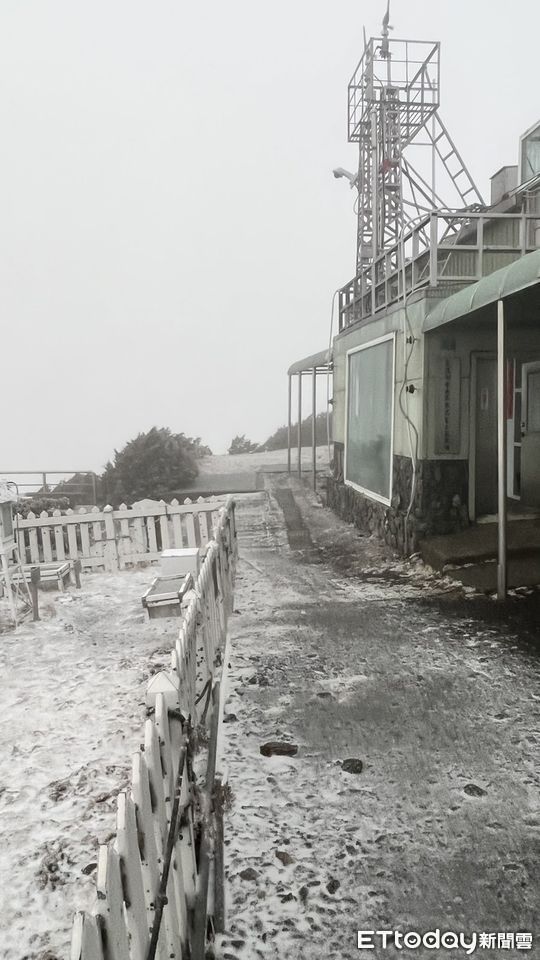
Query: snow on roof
x=308 y=364
x=513 y=278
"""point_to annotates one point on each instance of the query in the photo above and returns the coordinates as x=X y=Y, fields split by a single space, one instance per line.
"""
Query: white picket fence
x=157 y=882
x=113 y=539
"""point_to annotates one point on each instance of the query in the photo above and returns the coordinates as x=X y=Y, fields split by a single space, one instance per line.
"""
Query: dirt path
x=349 y=654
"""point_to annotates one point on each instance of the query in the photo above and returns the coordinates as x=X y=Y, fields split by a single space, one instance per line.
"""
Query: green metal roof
x=523 y=273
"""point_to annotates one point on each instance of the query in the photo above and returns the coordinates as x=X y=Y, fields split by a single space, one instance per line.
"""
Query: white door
x=530 y=435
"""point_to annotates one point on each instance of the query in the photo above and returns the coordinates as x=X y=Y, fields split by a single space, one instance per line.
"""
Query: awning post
x=289 y=415
x=299 y=438
x=313 y=429
x=502 y=577
x=315 y=365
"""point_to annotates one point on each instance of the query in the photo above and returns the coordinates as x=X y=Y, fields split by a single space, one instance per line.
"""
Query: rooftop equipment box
x=503 y=182
x=178 y=563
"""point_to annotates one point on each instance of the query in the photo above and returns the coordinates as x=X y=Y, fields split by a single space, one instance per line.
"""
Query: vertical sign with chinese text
x=447 y=405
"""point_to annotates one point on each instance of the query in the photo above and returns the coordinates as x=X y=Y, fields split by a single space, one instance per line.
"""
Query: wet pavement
x=350 y=654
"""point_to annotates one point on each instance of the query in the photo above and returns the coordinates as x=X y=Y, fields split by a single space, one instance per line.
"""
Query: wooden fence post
x=219 y=859
x=110 y=552
x=128 y=848
x=207 y=839
x=156 y=891
x=86 y=938
x=110 y=903
x=35 y=577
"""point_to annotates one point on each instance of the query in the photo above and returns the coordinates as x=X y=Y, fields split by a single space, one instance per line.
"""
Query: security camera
x=339 y=172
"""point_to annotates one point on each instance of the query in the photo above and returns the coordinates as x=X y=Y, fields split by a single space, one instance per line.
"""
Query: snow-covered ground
x=223 y=463
x=336 y=647
x=347 y=653
x=71 y=716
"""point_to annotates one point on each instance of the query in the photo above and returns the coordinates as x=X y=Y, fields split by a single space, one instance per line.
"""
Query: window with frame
x=530 y=155
x=370 y=411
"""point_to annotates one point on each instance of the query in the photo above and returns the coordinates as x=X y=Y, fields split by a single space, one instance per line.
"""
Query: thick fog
x=170 y=230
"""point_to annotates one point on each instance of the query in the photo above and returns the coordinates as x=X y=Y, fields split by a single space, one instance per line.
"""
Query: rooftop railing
x=445 y=248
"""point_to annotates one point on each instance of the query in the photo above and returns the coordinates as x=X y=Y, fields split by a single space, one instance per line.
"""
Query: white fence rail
x=154 y=878
x=112 y=539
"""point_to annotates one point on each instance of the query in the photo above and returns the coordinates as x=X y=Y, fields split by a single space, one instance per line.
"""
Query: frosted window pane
x=6 y=520
x=533 y=403
x=531 y=158
x=369 y=418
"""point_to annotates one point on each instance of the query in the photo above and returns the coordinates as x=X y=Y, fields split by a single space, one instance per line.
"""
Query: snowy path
x=347 y=654
x=72 y=710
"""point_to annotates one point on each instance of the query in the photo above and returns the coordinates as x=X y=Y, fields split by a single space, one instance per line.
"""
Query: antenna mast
x=393 y=98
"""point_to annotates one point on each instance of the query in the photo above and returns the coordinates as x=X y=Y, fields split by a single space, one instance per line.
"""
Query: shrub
x=151 y=465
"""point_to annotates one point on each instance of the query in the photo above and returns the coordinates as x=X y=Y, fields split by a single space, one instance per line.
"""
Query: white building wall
x=464 y=341
x=394 y=321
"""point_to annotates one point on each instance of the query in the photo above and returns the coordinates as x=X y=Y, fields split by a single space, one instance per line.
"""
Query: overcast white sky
x=170 y=230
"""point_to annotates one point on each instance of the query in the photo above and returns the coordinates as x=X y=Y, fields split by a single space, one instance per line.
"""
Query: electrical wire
x=356 y=202
x=411 y=427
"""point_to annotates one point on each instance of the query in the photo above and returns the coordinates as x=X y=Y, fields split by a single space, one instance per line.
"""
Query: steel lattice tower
x=393 y=105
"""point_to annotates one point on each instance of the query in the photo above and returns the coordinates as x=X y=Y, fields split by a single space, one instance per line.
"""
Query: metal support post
x=35 y=577
x=502 y=578
x=314 y=429
x=289 y=417
x=374 y=188
x=433 y=248
x=299 y=438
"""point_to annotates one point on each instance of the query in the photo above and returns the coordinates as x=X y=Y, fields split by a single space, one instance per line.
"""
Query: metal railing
x=45 y=483
x=447 y=247
x=415 y=75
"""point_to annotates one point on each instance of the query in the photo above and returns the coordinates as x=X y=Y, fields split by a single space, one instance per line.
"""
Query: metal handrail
x=380 y=284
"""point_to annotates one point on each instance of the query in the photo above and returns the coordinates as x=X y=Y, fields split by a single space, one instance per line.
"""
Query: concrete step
x=521 y=572
x=478 y=544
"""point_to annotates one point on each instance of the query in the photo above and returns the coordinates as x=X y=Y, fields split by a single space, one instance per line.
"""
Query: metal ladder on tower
x=458 y=173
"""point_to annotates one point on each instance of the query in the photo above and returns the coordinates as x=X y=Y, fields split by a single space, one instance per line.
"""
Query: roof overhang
x=320 y=362
x=520 y=275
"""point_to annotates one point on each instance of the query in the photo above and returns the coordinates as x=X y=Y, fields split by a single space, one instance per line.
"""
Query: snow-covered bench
x=54 y=575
